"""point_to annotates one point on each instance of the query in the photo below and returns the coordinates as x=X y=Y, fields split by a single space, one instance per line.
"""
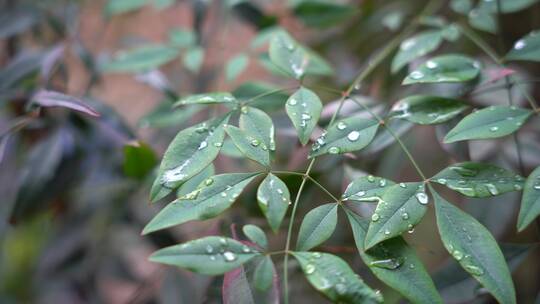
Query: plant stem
x=372 y=64
x=314 y=181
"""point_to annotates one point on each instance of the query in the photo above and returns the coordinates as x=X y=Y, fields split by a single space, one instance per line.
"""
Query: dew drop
x=244 y=110
x=536 y=187
x=223 y=194
x=371 y=178
x=393 y=263
x=387 y=232
x=341 y=125
x=310 y=268
x=218 y=144
x=305 y=116
x=442 y=181
x=520 y=44
x=431 y=64
x=246 y=249
x=333 y=150
x=375 y=217
x=202 y=145
x=474 y=270
x=382 y=182
x=229 y=256
x=494 y=129
x=316 y=255
x=293 y=101
x=360 y=193
x=422 y=198
x=209 y=249
x=492 y=189
x=279 y=191
x=353 y=136
x=402 y=185
x=405 y=216
x=416 y=75
x=255 y=142
x=208 y=181
x=223 y=241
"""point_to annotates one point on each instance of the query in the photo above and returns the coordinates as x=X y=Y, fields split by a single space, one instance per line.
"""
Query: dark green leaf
x=348 y=135
x=304 y=109
x=478 y=179
x=210 y=255
x=258 y=125
x=402 y=207
x=264 y=274
x=250 y=146
x=193 y=183
x=189 y=152
x=332 y=276
x=415 y=47
x=491 y=122
x=367 y=188
x=427 y=110
x=139 y=160
x=526 y=48
x=256 y=235
x=259 y=91
x=317 y=226
x=207 y=98
x=235 y=66
x=445 y=68
x=530 y=202
x=274 y=199
x=396 y=264
x=141 y=59
x=475 y=249
x=213 y=196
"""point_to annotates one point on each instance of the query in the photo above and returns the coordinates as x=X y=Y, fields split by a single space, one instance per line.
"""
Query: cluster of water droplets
x=465 y=260
x=335 y=280
x=223 y=251
x=388 y=259
x=305 y=117
x=476 y=187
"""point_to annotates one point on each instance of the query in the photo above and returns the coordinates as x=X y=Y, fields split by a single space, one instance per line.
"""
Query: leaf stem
x=314 y=181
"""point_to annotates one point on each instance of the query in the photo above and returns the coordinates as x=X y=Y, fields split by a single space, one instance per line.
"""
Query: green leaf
x=193 y=59
x=478 y=179
x=256 y=235
x=211 y=255
x=475 y=249
x=250 y=146
x=139 y=160
x=445 y=68
x=258 y=125
x=182 y=38
x=317 y=226
x=141 y=59
x=401 y=208
x=530 y=202
x=212 y=197
x=482 y=19
x=193 y=183
x=507 y=6
x=427 y=110
x=396 y=264
x=257 y=95
x=207 y=98
x=490 y=122
x=461 y=6
x=526 y=48
x=115 y=7
x=416 y=46
x=235 y=66
x=189 y=152
x=294 y=59
x=264 y=274
x=347 y=135
x=304 y=109
x=331 y=276
x=274 y=199
x=367 y=189
x=323 y=14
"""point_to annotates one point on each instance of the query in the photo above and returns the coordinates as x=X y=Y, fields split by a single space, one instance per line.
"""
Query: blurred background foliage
x=75 y=172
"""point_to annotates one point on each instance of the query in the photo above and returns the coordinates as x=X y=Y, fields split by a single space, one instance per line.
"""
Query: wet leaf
x=530 y=202
x=256 y=235
x=526 y=48
x=396 y=264
x=250 y=146
x=304 y=109
x=189 y=152
x=258 y=125
x=427 y=110
x=478 y=179
x=207 y=98
x=490 y=122
x=402 y=207
x=210 y=255
x=347 y=135
x=445 y=68
x=475 y=249
x=141 y=59
x=367 y=188
x=194 y=182
x=274 y=199
x=416 y=46
x=331 y=276
x=317 y=226
x=264 y=274
x=212 y=197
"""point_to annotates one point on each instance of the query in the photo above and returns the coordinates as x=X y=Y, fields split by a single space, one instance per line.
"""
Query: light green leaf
x=182 y=38
x=401 y=208
x=490 y=122
x=478 y=179
x=141 y=59
x=230 y=149
x=212 y=197
x=451 y=32
x=366 y=189
x=331 y=276
x=189 y=152
x=211 y=255
x=274 y=199
x=415 y=47
x=427 y=110
x=445 y=68
x=526 y=48
x=236 y=66
x=294 y=59
x=323 y=14
x=475 y=249
x=193 y=59
x=348 y=135
x=396 y=264
x=194 y=182
x=482 y=19
x=530 y=202
x=304 y=109
x=258 y=124
x=115 y=7
x=256 y=235
x=317 y=226
x=207 y=98
x=264 y=274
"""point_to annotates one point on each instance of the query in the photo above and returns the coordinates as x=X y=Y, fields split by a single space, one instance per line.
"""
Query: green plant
x=399 y=206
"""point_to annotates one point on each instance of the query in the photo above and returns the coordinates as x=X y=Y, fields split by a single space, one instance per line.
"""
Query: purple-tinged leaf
x=48 y=99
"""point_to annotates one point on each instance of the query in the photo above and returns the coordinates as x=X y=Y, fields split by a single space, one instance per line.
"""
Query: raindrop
x=405 y=216
x=492 y=189
x=360 y=193
x=229 y=256
x=212 y=257
x=375 y=217
x=316 y=255
x=223 y=194
x=208 y=181
x=422 y=198
x=353 y=136
x=441 y=181
x=382 y=182
x=387 y=232
x=536 y=187
x=218 y=144
x=293 y=101
x=209 y=249
x=392 y=263
x=416 y=75
x=310 y=268
x=202 y=145
x=333 y=150
x=244 y=110
x=246 y=249
x=279 y=191
x=411 y=266
x=223 y=241
x=520 y=44
x=493 y=129
x=255 y=142
x=402 y=185
x=306 y=116
x=341 y=125
x=458 y=255
x=371 y=178
x=431 y=64
x=474 y=270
